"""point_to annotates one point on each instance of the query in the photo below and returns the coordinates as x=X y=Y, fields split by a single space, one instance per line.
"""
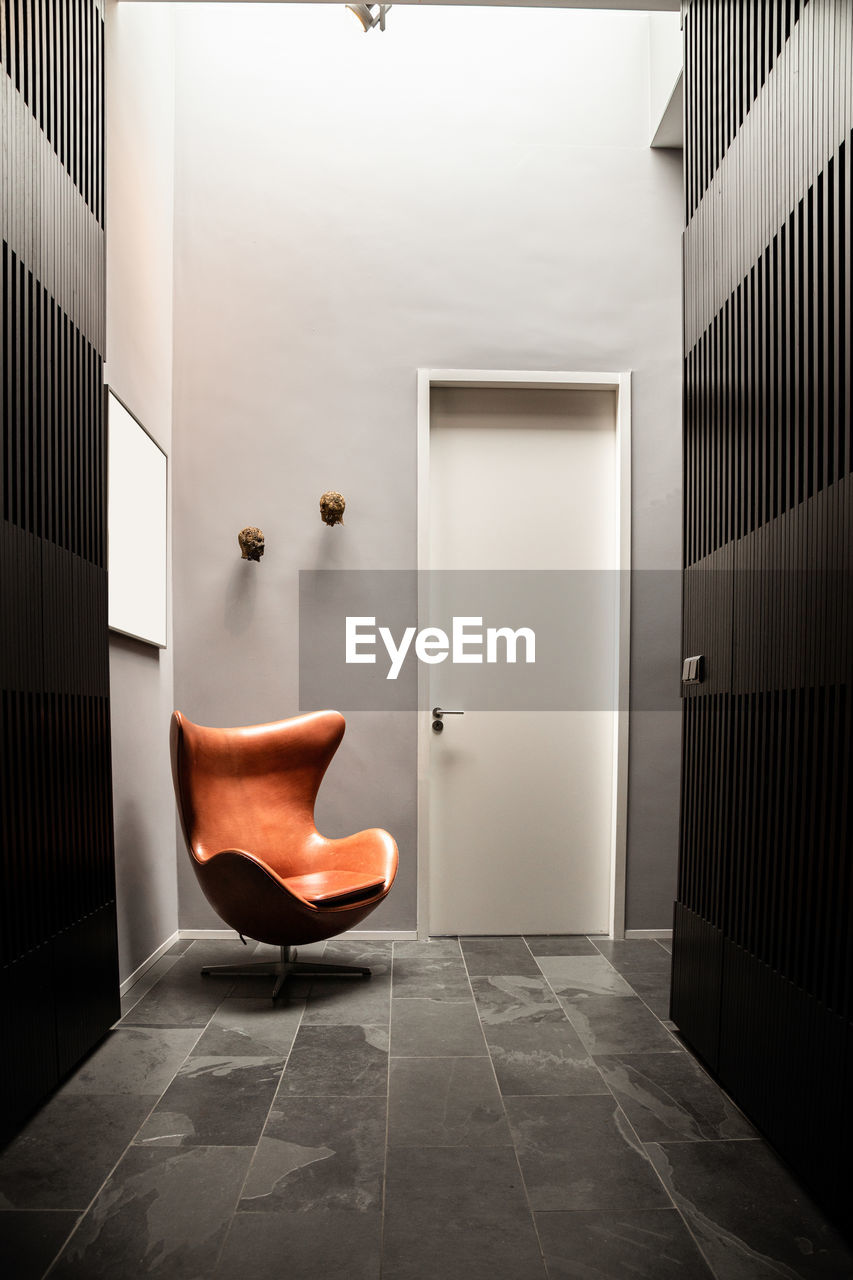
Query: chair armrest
x=371 y=850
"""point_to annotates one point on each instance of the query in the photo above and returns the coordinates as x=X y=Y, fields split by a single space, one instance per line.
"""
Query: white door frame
x=534 y=379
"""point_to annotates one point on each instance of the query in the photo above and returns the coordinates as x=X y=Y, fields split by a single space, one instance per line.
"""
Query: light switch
x=692 y=670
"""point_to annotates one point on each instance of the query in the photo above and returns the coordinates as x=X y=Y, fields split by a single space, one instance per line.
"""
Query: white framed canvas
x=137 y=524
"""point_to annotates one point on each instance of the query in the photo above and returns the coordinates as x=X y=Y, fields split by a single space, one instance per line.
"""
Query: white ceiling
x=644 y=6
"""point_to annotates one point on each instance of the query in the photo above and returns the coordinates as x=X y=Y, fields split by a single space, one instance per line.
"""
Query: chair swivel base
x=285 y=967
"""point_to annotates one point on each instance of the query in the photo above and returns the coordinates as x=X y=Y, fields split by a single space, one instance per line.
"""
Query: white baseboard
x=380 y=935
x=223 y=935
x=146 y=964
x=663 y=934
x=359 y=935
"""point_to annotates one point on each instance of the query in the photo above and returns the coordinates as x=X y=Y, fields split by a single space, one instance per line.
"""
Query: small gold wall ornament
x=251 y=542
x=332 y=507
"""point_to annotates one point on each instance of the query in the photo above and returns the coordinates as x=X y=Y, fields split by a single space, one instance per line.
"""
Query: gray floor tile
x=507 y=1000
x=653 y=989
x=182 y=997
x=545 y=1057
x=560 y=944
x=457 y=1206
x=642 y=1244
x=667 y=1096
x=214 y=1102
x=579 y=1153
x=458 y=1214
x=351 y=1061
x=376 y=956
x=445 y=1102
x=213 y=951
x=293 y=995
x=432 y=949
x=632 y=950
x=250 y=1027
x=436 y=1028
x=656 y=963
x=349 y=1001
x=617 y=1024
x=666 y=943
x=319 y=1153
x=162 y=1213
x=149 y=979
x=375 y=953
x=134 y=1060
x=434 y=970
x=219 y=951
x=640 y=955
x=308 y=951
x=319 y=1245
x=31 y=1239
x=487 y=956
x=583 y=975
x=750 y=1218
x=180 y=946
x=60 y=1159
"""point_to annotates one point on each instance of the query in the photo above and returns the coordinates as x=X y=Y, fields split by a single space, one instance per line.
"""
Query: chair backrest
x=254 y=787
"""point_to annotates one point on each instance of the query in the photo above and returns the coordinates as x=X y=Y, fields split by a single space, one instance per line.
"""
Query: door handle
x=438 y=722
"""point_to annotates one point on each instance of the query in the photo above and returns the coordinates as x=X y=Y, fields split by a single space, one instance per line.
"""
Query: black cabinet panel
x=28 y=1064
x=58 y=948
x=787 y=1058
x=763 y=931
x=696 y=982
x=85 y=977
x=21 y=630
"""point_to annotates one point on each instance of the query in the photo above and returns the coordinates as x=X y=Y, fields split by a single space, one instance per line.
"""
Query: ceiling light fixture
x=366 y=16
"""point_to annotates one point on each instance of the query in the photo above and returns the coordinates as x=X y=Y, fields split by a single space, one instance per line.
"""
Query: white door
x=521 y=801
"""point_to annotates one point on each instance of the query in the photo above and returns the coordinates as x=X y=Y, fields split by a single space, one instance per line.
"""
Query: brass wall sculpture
x=332 y=507
x=251 y=542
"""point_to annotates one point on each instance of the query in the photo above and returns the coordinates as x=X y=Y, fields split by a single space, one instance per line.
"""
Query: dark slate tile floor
x=483 y=1109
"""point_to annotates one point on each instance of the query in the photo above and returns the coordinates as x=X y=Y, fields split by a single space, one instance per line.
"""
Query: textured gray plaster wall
x=469 y=189
x=139 y=221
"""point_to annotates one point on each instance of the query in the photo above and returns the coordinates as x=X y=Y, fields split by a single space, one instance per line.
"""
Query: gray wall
x=140 y=167
x=470 y=189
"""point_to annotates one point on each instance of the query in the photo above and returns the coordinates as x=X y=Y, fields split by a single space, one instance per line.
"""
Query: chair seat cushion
x=335 y=888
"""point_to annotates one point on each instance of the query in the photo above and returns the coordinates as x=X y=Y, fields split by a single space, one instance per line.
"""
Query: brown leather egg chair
x=246 y=802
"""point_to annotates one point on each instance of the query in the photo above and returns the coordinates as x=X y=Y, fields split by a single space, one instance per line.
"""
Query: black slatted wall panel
x=730 y=49
x=763 y=943
x=52 y=51
x=57 y=911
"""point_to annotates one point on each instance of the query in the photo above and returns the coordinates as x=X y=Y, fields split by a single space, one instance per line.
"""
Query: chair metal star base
x=285 y=967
